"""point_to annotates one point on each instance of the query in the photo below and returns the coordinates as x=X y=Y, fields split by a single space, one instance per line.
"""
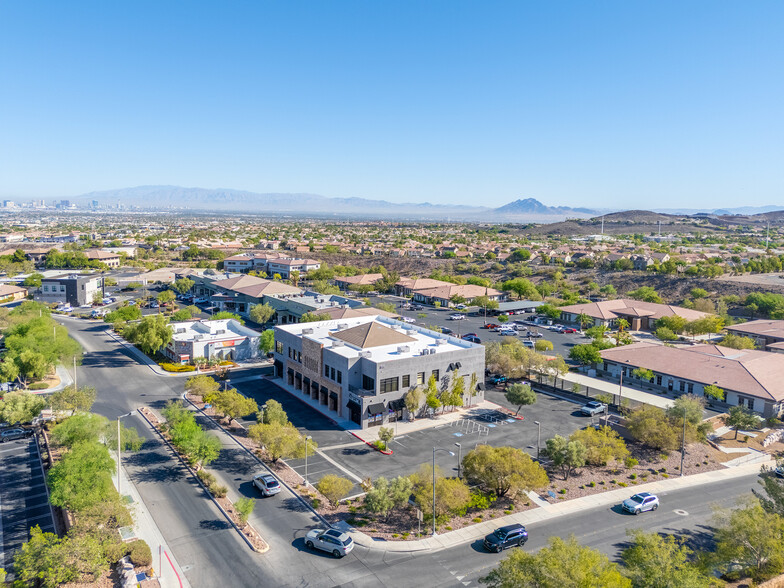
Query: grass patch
x=477 y=519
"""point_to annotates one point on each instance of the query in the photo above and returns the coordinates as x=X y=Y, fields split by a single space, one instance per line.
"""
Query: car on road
x=640 y=503
x=13 y=434
x=154 y=305
x=506 y=537
x=593 y=407
x=333 y=541
x=266 y=484
x=417 y=307
x=447 y=331
x=471 y=338
x=534 y=335
x=456 y=317
x=490 y=326
x=568 y=330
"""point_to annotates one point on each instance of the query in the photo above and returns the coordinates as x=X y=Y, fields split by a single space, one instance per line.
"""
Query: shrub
x=38 y=386
x=448 y=528
x=630 y=462
x=316 y=503
x=477 y=519
x=173 y=367
x=218 y=491
x=406 y=534
x=507 y=512
x=244 y=507
x=206 y=477
x=665 y=475
x=746 y=438
x=562 y=491
x=592 y=484
x=395 y=535
x=633 y=477
x=622 y=484
x=613 y=481
x=114 y=552
x=140 y=553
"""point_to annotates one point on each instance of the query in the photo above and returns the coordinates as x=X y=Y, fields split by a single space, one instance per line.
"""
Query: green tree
x=261 y=313
x=20 y=407
x=771 y=497
x=385 y=435
x=522 y=288
x=586 y=354
x=152 y=333
x=431 y=393
x=520 y=395
x=543 y=345
x=559 y=565
x=274 y=413
x=749 y=539
x=665 y=334
x=740 y=417
x=82 y=477
x=690 y=406
x=386 y=306
x=267 y=341
x=334 y=488
x=738 y=342
x=130 y=440
x=184 y=285
x=413 y=400
x=72 y=399
x=124 y=313
x=602 y=445
x=504 y=470
x=79 y=428
x=33 y=280
x=201 y=385
x=568 y=455
x=311 y=317
x=646 y=294
x=233 y=405
x=643 y=374
x=181 y=315
x=657 y=561
x=712 y=391
x=281 y=441
x=452 y=496
x=649 y=425
x=378 y=499
x=549 y=310
x=41 y=561
x=166 y=297
x=225 y=314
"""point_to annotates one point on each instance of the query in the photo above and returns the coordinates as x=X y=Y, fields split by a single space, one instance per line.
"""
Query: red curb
x=369 y=444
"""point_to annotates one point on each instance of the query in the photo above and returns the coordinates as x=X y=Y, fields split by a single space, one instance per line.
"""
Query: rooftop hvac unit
x=342 y=326
x=403 y=349
x=307 y=331
x=220 y=332
x=365 y=354
x=440 y=341
x=180 y=330
x=337 y=344
x=432 y=351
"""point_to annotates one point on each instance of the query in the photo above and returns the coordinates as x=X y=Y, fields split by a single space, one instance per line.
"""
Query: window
x=406 y=381
x=326 y=371
x=340 y=377
x=299 y=356
x=681 y=386
x=46 y=288
x=279 y=347
x=420 y=378
x=331 y=373
x=436 y=375
x=368 y=383
x=691 y=388
x=389 y=385
x=658 y=380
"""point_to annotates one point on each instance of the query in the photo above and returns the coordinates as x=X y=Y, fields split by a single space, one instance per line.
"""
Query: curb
x=254 y=456
x=369 y=444
x=212 y=498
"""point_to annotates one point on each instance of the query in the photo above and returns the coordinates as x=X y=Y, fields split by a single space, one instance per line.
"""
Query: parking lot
x=342 y=454
x=562 y=342
x=24 y=501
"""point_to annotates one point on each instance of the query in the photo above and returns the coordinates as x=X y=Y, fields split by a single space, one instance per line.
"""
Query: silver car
x=13 y=434
x=337 y=543
x=267 y=484
x=641 y=502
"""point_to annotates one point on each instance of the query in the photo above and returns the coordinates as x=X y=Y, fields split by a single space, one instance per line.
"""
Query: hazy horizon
x=613 y=106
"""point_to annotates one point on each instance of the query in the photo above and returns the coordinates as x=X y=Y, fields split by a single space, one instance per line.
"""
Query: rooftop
x=611 y=309
x=376 y=338
x=760 y=328
x=218 y=330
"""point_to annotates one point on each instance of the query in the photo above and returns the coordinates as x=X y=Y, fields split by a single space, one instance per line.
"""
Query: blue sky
x=603 y=104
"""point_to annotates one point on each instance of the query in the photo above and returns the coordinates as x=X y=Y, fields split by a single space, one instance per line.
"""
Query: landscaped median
x=197 y=448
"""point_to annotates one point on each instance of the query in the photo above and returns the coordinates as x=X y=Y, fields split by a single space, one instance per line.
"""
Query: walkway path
x=613 y=388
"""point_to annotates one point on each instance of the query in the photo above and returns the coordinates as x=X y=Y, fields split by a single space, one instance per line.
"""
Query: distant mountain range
x=157 y=197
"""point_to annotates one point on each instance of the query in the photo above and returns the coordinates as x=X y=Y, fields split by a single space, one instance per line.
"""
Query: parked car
x=408 y=319
x=267 y=484
x=568 y=330
x=495 y=380
x=505 y=537
x=417 y=307
x=490 y=326
x=447 y=331
x=337 y=543
x=534 y=334
x=12 y=434
x=593 y=407
x=154 y=305
x=456 y=317
x=507 y=331
x=640 y=503
x=461 y=307
x=472 y=338
x=200 y=300
x=528 y=343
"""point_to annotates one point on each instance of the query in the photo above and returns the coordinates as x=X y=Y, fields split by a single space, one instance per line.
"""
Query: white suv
x=456 y=317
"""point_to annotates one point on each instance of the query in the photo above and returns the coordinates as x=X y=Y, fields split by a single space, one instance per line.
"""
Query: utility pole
x=683 y=442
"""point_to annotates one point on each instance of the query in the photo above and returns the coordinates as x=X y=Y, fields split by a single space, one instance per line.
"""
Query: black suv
x=504 y=537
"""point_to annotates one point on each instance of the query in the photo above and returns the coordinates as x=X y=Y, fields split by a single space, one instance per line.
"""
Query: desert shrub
x=140 y=553
x=206 y=477
x=316 y=503
x=630 y=462
x=218 y=491
x=173 y=367
x=38 y=386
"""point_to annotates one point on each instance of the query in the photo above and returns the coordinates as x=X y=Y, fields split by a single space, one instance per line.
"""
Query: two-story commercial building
x=361 y=369
x=269 y=263
x=768 y=334
x=73 y=289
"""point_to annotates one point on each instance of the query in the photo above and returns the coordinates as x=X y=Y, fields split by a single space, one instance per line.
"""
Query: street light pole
x=119 y=448
x=459 y=462
x=263 y=408
x=434 y=483
x=538 y=437
x=307 y=438
x=683 y=442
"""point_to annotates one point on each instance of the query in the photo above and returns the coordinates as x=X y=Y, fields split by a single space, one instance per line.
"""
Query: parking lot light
x=459 y=464
x=434 y=483
x=538 y=437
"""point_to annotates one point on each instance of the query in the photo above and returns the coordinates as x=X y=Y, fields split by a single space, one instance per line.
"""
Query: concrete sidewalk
x=613 y=388
x=167 y=570
x=549 y=511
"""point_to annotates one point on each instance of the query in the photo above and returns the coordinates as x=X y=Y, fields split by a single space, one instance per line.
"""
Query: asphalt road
x=213 y=555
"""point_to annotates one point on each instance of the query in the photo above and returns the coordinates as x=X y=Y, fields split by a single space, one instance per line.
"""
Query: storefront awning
x=395 y=405
x=353 y=405
x=375 y=409
x=333 y=395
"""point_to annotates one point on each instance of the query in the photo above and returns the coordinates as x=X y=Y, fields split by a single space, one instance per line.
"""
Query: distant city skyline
x=615 y=105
